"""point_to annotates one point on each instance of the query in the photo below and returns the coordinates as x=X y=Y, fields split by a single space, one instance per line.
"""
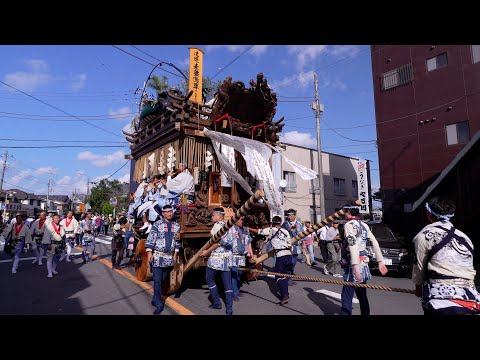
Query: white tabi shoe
x=34 y=261
x=14 y=271
x=145 y=226
x=149 y=228
x=54 y=272
x=68 y=260
x=40 y=263
x=49 y=275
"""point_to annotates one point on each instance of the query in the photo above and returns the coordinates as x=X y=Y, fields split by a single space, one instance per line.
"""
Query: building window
x=355 y=188
x=397 y=77
x=458 y=133
x=31 y=201
x=339 y=186
x=315 y=186
x=291 y=183
x=437 y=62
x=475 y=53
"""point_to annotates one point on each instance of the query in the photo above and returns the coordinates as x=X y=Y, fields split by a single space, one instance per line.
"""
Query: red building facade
x=427 y=106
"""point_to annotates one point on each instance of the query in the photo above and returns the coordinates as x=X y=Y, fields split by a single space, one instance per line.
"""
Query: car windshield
x=382 y=233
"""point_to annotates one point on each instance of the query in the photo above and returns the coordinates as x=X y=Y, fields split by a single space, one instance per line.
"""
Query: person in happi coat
x=443 y=272
x=15 y=234
x=220 y=258
x=294 y=227
x=53 y=237
x=162 y=247
x=87 y=227
x=355 y=263
x=280 y=239
x=36 y=235
x=70 y=225
x=241 y=246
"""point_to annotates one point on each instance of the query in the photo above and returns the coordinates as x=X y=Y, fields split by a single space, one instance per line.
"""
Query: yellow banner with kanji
x=196 y=71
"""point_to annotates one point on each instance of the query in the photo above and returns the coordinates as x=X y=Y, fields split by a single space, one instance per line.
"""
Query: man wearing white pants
x=16 y=234
x=36 y=234
x=53 y=237
x=70 y=224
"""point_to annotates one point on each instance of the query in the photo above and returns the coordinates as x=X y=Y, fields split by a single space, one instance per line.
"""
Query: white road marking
x=107 y=242
x=31 y=258
x=334 y=295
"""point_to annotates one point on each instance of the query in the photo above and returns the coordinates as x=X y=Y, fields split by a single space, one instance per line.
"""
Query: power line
x=22 y=163
x=346 y=137
x=79 y=92
x=78 y=116
x=67 y=141
x=231 y=62
x=19 y=187
x=162 y=62
x=62 y=146
x=43 y=102
x=72 y=100
x=145 y=61
x=118 y=169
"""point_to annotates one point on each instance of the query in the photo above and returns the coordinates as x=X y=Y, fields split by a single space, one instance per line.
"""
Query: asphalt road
x=94 y=288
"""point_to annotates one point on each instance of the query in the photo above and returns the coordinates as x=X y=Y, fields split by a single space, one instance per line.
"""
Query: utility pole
x=3 y=174
x=3 y=171
x=88 y=188
x=318 y=109
x=48 y=194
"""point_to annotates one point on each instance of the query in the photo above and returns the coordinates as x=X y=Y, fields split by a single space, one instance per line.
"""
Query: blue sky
x=96 y=84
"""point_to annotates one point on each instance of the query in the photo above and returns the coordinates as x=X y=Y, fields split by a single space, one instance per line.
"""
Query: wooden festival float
x=169 y=130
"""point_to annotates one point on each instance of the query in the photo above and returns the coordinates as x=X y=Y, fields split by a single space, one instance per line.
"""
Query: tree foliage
x=101 y=194
x=158 y=83
x=209 y=86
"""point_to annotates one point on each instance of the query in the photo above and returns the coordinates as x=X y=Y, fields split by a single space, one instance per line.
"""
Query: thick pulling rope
x=309 y=278
x=313 y=228
x=218 y=235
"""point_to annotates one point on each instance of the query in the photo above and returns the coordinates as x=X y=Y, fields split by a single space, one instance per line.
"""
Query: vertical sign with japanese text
x=362 y=179
x=195 y=78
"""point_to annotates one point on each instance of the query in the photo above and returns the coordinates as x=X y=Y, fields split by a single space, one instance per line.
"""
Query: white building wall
x=334 y=166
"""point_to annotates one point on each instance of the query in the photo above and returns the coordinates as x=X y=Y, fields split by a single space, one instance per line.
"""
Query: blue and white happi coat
x=240 y=240
x=294 y=228
x=360 y=240
x=162 y=242
x=87 y=227
x=221 y=257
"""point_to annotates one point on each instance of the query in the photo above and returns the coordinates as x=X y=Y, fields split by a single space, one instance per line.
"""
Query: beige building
x=339 y=177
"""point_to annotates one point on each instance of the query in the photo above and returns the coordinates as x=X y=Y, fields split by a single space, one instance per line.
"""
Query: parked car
x=396 y=256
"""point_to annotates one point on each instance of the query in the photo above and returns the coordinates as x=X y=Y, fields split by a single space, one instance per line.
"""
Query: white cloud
x=64 y=180
x=299 y=81
x=335 y=84
x=259 y=50
x=102 y=160
x=101 y=177
x=27 y=174
x=231 y=48
x=298 y=138
x=124 y=178
x=78 y=82
x=36 y=76
x=128 y=127
x=185 y=63
x=341 y=51
x=121 y=113
x=306 y=54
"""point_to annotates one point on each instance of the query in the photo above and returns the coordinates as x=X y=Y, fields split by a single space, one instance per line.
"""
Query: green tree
x=210 y=87
x=103 y=191
x=158 y=83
